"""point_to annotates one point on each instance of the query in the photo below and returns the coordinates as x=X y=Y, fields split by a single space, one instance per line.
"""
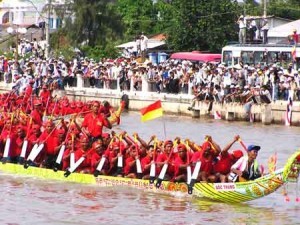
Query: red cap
x=36 y=127
x=73 y=105
x=65 y=103
x=84 y=138
x=115 y=145
x=37 y=102
x=182 y=146
x=205 y=145
x=21 y=127
x=237 y=154
x=105 y=135
x=79 y=104
x=61 y=131
x=168 y=142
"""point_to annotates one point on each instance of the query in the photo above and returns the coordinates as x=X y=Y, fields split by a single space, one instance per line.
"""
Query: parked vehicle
x=264 y=54
x=196 y=56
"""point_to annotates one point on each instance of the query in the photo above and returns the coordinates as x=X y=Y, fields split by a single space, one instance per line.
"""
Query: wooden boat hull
x=223 y=192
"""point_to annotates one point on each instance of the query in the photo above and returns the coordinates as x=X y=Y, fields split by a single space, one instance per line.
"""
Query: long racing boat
x=222 y=192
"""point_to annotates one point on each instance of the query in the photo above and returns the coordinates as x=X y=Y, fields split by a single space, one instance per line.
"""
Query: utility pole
x=265 y=8
x=47 y=24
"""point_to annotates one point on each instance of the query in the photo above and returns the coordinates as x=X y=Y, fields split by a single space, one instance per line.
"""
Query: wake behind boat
x=222 y=192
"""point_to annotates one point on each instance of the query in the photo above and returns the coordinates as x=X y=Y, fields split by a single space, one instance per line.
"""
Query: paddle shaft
x=77 y=163
x=163 y=171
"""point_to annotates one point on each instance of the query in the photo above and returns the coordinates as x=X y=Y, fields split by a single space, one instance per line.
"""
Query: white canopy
x=151 y=44
x=284 y=30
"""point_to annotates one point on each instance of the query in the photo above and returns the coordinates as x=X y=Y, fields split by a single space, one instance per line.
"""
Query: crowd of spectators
x=213 y=82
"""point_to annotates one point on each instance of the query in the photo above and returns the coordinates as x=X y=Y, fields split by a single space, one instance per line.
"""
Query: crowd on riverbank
x=217 y=81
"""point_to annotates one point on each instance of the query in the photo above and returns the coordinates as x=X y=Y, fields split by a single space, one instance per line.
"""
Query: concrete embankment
x=274 y=113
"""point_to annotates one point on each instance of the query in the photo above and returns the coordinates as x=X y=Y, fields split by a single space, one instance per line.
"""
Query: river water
x=32 y=201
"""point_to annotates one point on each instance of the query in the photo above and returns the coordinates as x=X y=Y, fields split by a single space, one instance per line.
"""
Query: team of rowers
x=81 y=144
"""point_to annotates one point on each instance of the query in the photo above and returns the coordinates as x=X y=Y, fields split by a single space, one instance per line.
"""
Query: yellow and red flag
x=151 y=111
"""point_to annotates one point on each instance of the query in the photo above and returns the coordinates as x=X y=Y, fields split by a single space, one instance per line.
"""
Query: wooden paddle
x=163 y=170
x=77 y=164
x=102 y=161
x=7 y=143
x=37 y=149
x=120 y=158
x=137 y=160
x=45 y=111
x=100 y=166
x=25 y=143
x=243 y=144
x=194 y=177
x=62 y=148
x=153 y=166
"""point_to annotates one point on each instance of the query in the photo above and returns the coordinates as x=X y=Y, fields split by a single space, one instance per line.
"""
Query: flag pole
x=165 y=130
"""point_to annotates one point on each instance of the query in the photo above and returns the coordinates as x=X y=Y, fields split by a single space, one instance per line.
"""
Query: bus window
x=285 y=59
x=260 y=58
x=298 y=63
x=227 y=57
x=247 y=57
x=273 y=57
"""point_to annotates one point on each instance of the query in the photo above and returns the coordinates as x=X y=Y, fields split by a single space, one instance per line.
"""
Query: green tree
x=289 y=9
x=94 y=22
x=138 y=16
x=202 y=25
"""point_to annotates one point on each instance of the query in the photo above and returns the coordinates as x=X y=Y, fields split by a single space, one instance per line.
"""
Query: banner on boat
x=224 y=187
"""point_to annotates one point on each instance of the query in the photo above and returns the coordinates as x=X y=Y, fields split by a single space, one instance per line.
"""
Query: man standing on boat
x=93 y=122
x=246 y=168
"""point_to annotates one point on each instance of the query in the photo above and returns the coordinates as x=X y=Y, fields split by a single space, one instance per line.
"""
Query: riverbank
x=177 y=104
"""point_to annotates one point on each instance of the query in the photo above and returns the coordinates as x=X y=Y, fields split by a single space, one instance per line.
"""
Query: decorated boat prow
x=251 y=190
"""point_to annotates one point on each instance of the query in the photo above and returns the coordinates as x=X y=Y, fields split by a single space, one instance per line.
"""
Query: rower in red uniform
x=167 y=156
x=45 y=94
x=28 y=90
x=130 y=170
x=223 y=166
x=8 y=131
x=113 y=151
x=37 y=113
x=50 y=138
x=97 y=156
x=67 y=154
x=93 y=122
x=181 y=163
x=16 y=144
x=207 y=156
x=84 y=150
x=65 y=109
x=146 y=162
x=106 y=109
x=34 y=133
x=80 y=107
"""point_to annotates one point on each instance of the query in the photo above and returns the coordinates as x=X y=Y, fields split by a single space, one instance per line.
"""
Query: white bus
x=264 y=54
